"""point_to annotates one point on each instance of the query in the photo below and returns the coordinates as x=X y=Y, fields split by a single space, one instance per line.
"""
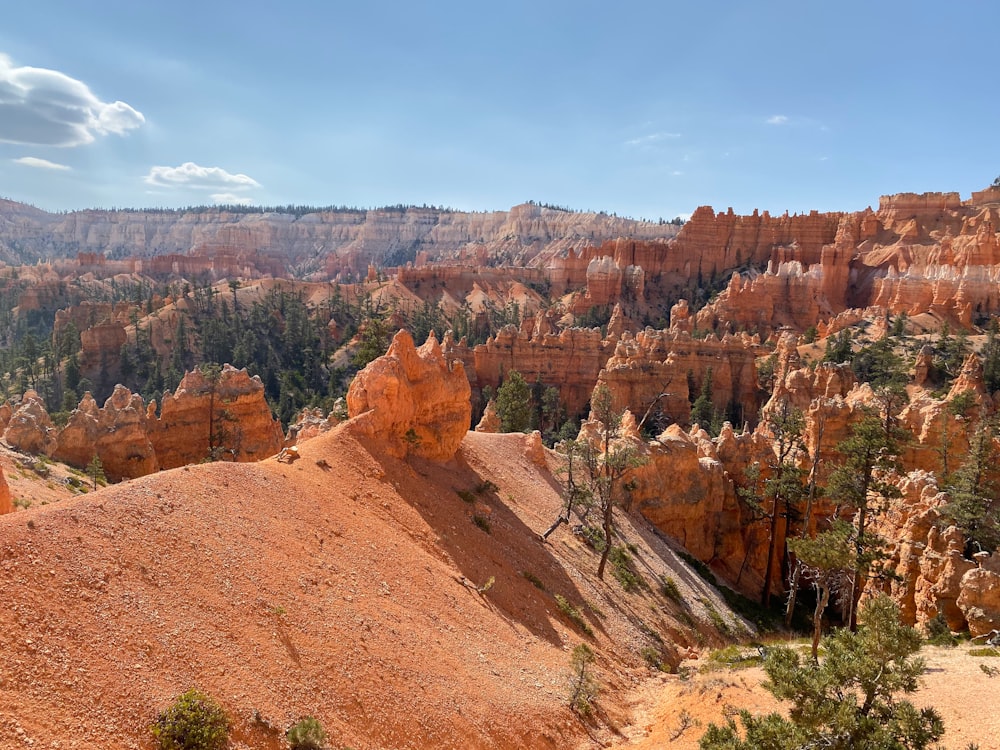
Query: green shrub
x=483 y=523
x=938 y=632
x=652 y=656
x=533 y=580
x=194 y=722
x=583 y=686
x=573 y=614
x=983 y=652
x=466 y=496
x=668 y=587
x=624 y=571
x=306 y=734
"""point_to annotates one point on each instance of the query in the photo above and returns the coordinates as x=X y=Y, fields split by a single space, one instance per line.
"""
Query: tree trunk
x=608 y=510
x=765 y=597
x=555 y=525
x=821 y=601
x=793 y=587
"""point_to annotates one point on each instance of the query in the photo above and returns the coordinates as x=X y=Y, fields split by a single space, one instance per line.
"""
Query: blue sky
x=645 y=109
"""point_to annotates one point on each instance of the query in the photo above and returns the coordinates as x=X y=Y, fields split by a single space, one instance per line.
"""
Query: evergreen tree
x=514 y=403
x=849 y=700
x=863 y=483
x=774 y=498
x=607 y=465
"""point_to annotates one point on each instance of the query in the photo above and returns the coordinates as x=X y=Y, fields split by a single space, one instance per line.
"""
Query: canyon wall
x=324 y=243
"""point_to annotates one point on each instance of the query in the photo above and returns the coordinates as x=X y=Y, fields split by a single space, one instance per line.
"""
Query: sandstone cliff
x=412 y=401
x=329 y=243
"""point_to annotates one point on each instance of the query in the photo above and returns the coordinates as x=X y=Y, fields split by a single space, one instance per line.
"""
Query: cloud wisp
x=196 y=177
x=34 y=161
x=41 y=107
x=777 y=120
x=651 y=139
x=226 y=188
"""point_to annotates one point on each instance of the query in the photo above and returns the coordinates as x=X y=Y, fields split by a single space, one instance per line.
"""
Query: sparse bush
x=573 y=614
x=938 y=632
x=984 y=652
x=594 y=538
x=486 y=487
x=583 y=686
x=735 y=657
x=533 y=580
x=652 y=656
x=483 y=523
x=306 y=734
x=194 y=722
x=466 y=496
x=668 y=587
x=624 y=571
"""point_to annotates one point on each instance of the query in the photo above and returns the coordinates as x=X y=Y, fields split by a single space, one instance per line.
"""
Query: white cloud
x=649 y=140
x=44 y=107
x=34 y=161
x=194 y=176
x=777 y=120
x=232 y=199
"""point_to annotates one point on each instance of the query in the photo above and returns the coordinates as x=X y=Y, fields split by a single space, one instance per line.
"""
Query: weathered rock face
x=220 y=243
x=570 y=360
x=687 y=487
x=653 y=363
x=412 y=401
x=490 y=421
x=118 y=434
x=916 y=254
x=226 y=417
x=311 y=423
x=29 y=428
x=979 y=597
x=5 y=503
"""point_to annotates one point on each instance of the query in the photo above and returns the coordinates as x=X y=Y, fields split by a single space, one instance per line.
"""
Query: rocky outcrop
x=412 y=401
x=490 y=421
x=221 y=416
x=118 y=434
x=979 y=597
x=6 y=506
x=665 y=370
x=569 y=360
x=29 y=428
x=311 y=423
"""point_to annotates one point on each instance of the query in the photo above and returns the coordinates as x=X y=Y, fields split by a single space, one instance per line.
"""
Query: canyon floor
x=673 y=711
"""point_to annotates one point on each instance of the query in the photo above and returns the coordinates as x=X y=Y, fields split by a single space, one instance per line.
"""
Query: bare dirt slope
x=340 y=586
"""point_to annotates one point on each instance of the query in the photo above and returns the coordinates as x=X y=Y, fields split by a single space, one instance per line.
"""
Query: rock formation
x=29 y=428
x=224 y=417
x=118 y=434
x=6 y=506
x=413 y=401
x=979 y=595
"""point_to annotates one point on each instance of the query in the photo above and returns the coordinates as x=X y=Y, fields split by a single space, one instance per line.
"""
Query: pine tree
x=514 y=403
x=849 y=700
x=863 y=483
